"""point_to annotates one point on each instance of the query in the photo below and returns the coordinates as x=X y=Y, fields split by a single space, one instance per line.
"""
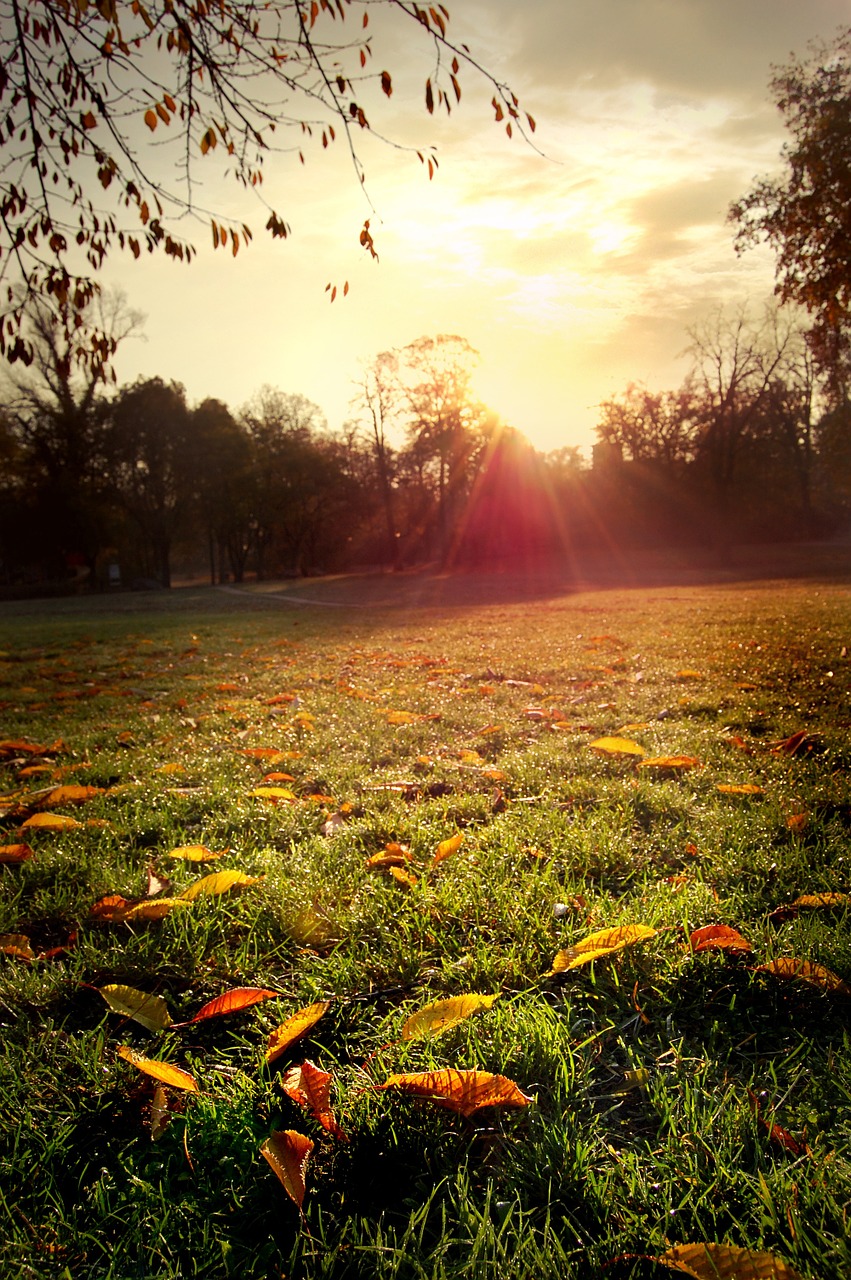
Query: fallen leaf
x=669 y=764
x=71 y=794
x=718 y=936
x=447 y=847
x=309 y=929
x=814 y=901
x=156 y=884
x=231 y=1002
x=403 y=877
x=17 y=945
x=287 y=1152
x=776 y=1133
x=726 y=1262
x=148 y=1010
x=442 y=1014
x=739 y=789
x=689 y=675
x=113 y=907
x=217 y=883
x=797 y=821
x=275 y=794
x=617 y=747
x=462 y=1091
x=50 y=822
x=310 y=1087
x=164 y=1071
x=815 y=974
x=392 y=855
x=196 y=853
x=401 y=717
x=597 y=945
x=15 y=853
x=293 y=1029
x=160 y=1115
x=153 y=909
x=792 y=745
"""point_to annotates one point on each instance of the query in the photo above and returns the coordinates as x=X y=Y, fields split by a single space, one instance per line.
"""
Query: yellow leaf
x=401 y=717
x=726 y=1262
x=195 y=853
x=309 y=929
x=155 y=909
x=148 y=1010
x=287 y=1152
x=403 y=877
x=816 y=974
x=673 y=764
x=617 y=747
x=447 y=847
x=393 y=855
x=50 y=822
x=218 y=882
x=739 y=789
x=462 y=1091
x=171 y=768
x=273 y=793
x=597 y=945
x=817 y=900
x=293 y=1029
x=442 y=1014
x=689 y=675
x=164 y=1071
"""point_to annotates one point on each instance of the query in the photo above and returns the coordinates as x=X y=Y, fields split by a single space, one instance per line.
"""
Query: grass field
x=667 y=1093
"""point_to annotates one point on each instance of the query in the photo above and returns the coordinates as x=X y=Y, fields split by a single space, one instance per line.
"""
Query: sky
x=574 y=266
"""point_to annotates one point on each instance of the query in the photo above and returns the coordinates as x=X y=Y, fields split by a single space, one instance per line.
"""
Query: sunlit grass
x=643 y=1131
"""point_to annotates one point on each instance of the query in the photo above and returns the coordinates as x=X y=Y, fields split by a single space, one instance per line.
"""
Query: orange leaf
x=232 y=1001
x=393 y=855
x=70 y=794
x=401 y=717
x=151 y=120
x=15 y=852
x=294 y=1028
x=462 y=1091
x=815 y=974
x=17 y=945
x=111 y=908
x=310 y=1087
x=403 y=877
x=447 y=847
x=287 y=1152
x=164 y=1071
x=50 y=822
x=719 y=936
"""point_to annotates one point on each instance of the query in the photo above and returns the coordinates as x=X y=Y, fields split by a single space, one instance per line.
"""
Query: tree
x=86 y=86
x=378 y=399
x=805 y=214
x=225 y=487
x=650 y=426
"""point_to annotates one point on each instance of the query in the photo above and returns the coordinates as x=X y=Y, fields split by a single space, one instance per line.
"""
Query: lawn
x=329 y=819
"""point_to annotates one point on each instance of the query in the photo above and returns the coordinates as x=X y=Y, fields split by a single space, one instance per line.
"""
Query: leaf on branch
x=89 y=120
x=310 y=1087
x=164 y=1071
x=232 y=1002
x=293 y=1029
x=440 y=1015
x=287 y=1152
x=386 y=83
x=597 y=945
x=148 y=1010
x=463 y=1091
x=726 y=1262
x=429 y=98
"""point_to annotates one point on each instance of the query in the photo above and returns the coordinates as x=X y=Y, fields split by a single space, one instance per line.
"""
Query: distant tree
x=650 y=426
x=89 y=89
x=378 y=402
x=225 y=488
x=805 y=214
x=153 y=464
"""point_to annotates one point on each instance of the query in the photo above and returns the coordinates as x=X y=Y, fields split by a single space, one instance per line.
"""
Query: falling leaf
x=294 y=1028
x=164 y=1071
x=196 y=853
x=815 y=974
x=442 y=1014
x=217 y=883
x=50 y=822
x=597 y=945
x=287 y=1152
x=447 y=847
x=148 y=1010
x=462 y=1091
x=739 y=789
x=726 y=1262
x=232 y=1001
x=718 y=936
x=310 y=1087
x=617 y=747
x=669 y=764
x=17 y=945
x=15 y=853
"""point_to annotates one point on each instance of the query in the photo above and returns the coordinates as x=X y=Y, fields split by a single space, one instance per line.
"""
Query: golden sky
x=573 y=272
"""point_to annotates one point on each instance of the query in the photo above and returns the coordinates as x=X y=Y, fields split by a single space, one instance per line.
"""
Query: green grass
x=595 y=1177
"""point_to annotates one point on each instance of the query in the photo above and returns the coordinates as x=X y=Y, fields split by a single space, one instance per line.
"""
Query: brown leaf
x=294 y=1028
x=815 y=974
x=718 y=936
x=462 y=1091
x=287 y=1152
x=16 y=945
x=726 y=1262
x=160 y=1115
x=231 y=1002
x=310 y=1087
x=164 y=1071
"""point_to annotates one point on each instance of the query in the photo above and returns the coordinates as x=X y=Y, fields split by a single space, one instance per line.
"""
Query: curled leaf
x=462 y=1091
x=148 y=1010
x=17 y=945
x=442 y=1014
x=287 y=1152
x=447 y=847
x=310 y=1087
x=294 y=1028
x=164 y=1071
x=232 y=1001
x=718 y=936
x=597 y=945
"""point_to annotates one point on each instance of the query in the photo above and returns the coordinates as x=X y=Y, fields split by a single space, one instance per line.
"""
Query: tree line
x=104 y=484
